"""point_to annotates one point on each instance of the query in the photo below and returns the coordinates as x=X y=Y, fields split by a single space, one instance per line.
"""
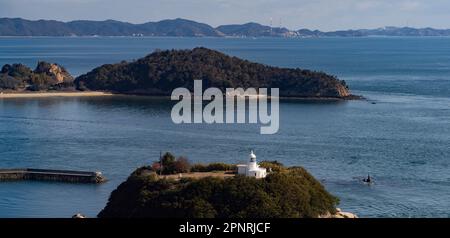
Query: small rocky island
x=173 y=188
x=46 y=76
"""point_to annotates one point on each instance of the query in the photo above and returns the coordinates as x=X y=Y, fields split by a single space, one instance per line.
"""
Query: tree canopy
x=289 y=193
x=162 y=71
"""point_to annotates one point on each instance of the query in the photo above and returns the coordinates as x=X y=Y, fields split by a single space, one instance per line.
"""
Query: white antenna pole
x=271 y=25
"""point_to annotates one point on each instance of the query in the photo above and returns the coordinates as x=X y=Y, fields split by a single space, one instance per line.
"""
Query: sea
x=400 y=134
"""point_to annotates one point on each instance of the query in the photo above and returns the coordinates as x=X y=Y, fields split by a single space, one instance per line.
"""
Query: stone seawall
x=51 y=175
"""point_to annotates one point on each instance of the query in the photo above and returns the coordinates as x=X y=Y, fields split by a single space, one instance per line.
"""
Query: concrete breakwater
x=67 y=176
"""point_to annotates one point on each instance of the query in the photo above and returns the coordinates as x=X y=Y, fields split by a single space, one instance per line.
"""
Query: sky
x=294 y=14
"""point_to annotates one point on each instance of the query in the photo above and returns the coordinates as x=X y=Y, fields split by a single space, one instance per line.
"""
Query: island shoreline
x=50 y=94
x=6 y=95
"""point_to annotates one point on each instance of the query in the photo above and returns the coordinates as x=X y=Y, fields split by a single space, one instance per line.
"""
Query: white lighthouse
x=252 y=169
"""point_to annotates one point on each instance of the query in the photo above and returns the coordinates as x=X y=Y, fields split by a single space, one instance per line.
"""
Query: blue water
x=402 y=140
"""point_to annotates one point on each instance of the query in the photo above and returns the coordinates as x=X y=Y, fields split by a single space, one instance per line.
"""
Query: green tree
x=168 y=163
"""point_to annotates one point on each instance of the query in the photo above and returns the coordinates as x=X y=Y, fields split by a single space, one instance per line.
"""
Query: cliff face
x=161 y=72
x=46 y=76
x=57 y=73
x=342 y=90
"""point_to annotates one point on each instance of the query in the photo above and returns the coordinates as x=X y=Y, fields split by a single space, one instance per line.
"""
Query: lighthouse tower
x=252 y=161
x=252 y=169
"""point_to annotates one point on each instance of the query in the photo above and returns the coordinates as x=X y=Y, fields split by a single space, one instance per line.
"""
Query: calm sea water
x=402 y=140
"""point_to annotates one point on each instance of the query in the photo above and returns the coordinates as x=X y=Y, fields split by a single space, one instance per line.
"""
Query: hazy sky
x=293 y=14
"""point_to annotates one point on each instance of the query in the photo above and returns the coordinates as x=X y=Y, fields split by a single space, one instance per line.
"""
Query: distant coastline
x=13 y=27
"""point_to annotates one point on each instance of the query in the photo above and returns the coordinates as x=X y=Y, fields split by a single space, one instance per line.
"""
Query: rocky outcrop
x=46 y=76
x=339 y=214
x=58 y=73
x=342 y=90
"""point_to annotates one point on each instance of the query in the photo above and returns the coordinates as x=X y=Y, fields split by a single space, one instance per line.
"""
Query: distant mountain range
x=187 y=28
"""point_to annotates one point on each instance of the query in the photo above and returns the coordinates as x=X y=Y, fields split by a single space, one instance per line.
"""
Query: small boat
x=368 y=180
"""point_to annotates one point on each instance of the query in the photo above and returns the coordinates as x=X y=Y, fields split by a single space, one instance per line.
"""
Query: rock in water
x=79 y=216
x=339 y=214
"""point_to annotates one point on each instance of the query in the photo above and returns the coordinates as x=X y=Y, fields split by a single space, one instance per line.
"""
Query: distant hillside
x=162 y=71
x=176 y=27
x=385 y=31
x=187 y=28
x=252 y=30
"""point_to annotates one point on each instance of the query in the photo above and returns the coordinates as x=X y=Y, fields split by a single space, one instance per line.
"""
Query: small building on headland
x=252 y=169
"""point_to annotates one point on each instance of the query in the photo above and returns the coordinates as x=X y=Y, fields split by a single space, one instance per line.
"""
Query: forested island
x=182 y=191
x=159 y=73
x=162 y=71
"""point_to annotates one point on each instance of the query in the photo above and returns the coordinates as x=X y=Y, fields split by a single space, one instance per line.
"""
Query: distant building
x=252 y=169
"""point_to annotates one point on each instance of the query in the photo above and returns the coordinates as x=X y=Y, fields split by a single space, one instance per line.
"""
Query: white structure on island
x=252 y=169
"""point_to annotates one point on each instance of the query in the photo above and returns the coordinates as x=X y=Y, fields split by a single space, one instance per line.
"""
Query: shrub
x=170 y=165
x=220 y=167
x=274 y=166
x=182 y=165
x=199 y=168
x=8 y=82
x=212 y=167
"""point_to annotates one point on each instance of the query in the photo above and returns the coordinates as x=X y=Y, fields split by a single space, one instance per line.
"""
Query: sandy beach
x=53 y=94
